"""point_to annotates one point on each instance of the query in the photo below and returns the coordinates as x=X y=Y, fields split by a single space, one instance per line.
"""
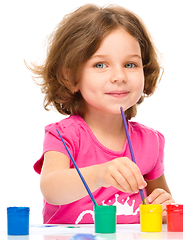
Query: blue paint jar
x=18 y=220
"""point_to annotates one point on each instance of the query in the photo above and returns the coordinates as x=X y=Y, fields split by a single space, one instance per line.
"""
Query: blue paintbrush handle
x=131 y=150
x=75 y=165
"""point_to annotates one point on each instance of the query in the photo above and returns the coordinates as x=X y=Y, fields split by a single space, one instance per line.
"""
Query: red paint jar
x=174 y=217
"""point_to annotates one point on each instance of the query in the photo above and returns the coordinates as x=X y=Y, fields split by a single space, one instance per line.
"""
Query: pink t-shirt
x=148 y=147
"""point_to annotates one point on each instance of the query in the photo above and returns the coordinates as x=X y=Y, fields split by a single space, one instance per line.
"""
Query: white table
x=65 y=232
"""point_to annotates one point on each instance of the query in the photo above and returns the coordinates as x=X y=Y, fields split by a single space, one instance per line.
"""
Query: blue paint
x=18 y=220
x=83 y=237
x=44 y=226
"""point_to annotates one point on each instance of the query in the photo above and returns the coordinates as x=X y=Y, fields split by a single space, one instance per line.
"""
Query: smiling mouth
x=118 y=94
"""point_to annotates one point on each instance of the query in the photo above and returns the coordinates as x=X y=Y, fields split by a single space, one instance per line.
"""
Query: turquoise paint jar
x=105 y=219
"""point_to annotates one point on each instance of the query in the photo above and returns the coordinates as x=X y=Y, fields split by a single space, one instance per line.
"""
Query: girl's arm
x=159 y=193
x=62 y=185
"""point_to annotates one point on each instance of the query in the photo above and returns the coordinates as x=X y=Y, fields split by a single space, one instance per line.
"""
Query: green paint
x=73 y=227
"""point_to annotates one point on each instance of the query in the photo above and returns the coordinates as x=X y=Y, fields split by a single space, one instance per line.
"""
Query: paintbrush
x=131 y=150
x=82 y=178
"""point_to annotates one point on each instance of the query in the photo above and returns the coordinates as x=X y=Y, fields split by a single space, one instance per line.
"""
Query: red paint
x=175 y=217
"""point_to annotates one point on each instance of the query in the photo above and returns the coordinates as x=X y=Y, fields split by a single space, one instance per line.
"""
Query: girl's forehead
x=118 y=40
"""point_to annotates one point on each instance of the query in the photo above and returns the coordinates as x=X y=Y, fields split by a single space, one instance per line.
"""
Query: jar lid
x=151 y=208
x=18 y=210
x=175 y=207
x=105 y=209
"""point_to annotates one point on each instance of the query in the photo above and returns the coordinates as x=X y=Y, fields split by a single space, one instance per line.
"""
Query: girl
x=98 y=60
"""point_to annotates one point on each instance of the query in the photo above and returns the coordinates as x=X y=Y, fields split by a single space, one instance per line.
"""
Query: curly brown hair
x=75 y=40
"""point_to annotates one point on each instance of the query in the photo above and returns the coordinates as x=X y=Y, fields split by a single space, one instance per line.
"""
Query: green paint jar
x=105 y=218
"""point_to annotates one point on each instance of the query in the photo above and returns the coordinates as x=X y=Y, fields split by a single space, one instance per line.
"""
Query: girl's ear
x=71 y=86
x=65 y=73
x=76 y=88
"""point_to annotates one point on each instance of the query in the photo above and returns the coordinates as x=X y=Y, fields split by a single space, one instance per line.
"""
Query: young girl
x=98 y=60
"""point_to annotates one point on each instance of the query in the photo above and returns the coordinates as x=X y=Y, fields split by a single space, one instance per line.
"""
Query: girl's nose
x=118 y=75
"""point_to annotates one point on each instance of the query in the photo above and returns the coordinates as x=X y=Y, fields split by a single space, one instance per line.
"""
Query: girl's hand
x=122 y=174
x=160 y=196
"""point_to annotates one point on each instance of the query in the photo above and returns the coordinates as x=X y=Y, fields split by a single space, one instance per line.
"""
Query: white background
x=24 y=27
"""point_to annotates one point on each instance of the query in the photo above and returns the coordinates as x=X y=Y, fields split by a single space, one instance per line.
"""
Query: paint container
x=174 y=217
x=105 y=218
x=18 y=220
x=151 y=217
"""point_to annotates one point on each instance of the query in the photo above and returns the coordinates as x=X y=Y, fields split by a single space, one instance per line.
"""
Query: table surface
x=65 y=232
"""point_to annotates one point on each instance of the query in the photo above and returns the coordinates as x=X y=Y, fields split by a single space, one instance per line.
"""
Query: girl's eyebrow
x=103 y=55
x=99 y=56
x=135 y=55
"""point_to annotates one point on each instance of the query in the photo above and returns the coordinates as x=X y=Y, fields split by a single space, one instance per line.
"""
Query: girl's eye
x=100 y=65
x=130 y=65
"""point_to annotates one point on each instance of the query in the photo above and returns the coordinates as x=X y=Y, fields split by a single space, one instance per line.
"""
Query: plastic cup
x=18 y=220
x=174 y=217
x=105 y=218
x=151 y=217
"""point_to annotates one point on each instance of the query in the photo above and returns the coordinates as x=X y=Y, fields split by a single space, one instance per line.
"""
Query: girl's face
x=113 y=76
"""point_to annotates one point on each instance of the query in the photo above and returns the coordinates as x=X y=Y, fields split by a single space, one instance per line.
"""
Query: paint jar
x=18 y=220
x=151 y=217
x=105 y=218
x=174 y=217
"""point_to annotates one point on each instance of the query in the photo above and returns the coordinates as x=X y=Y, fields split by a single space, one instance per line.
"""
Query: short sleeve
x=52 y=141
x=158 y=168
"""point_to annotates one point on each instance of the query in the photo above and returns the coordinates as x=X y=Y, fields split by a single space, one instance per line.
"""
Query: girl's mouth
x=118 y=94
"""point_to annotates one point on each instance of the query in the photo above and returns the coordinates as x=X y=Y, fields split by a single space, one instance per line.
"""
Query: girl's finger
x=140 y=183
x=114 y=183
x=127 y=179
x=154 y=195
x=165 y=203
